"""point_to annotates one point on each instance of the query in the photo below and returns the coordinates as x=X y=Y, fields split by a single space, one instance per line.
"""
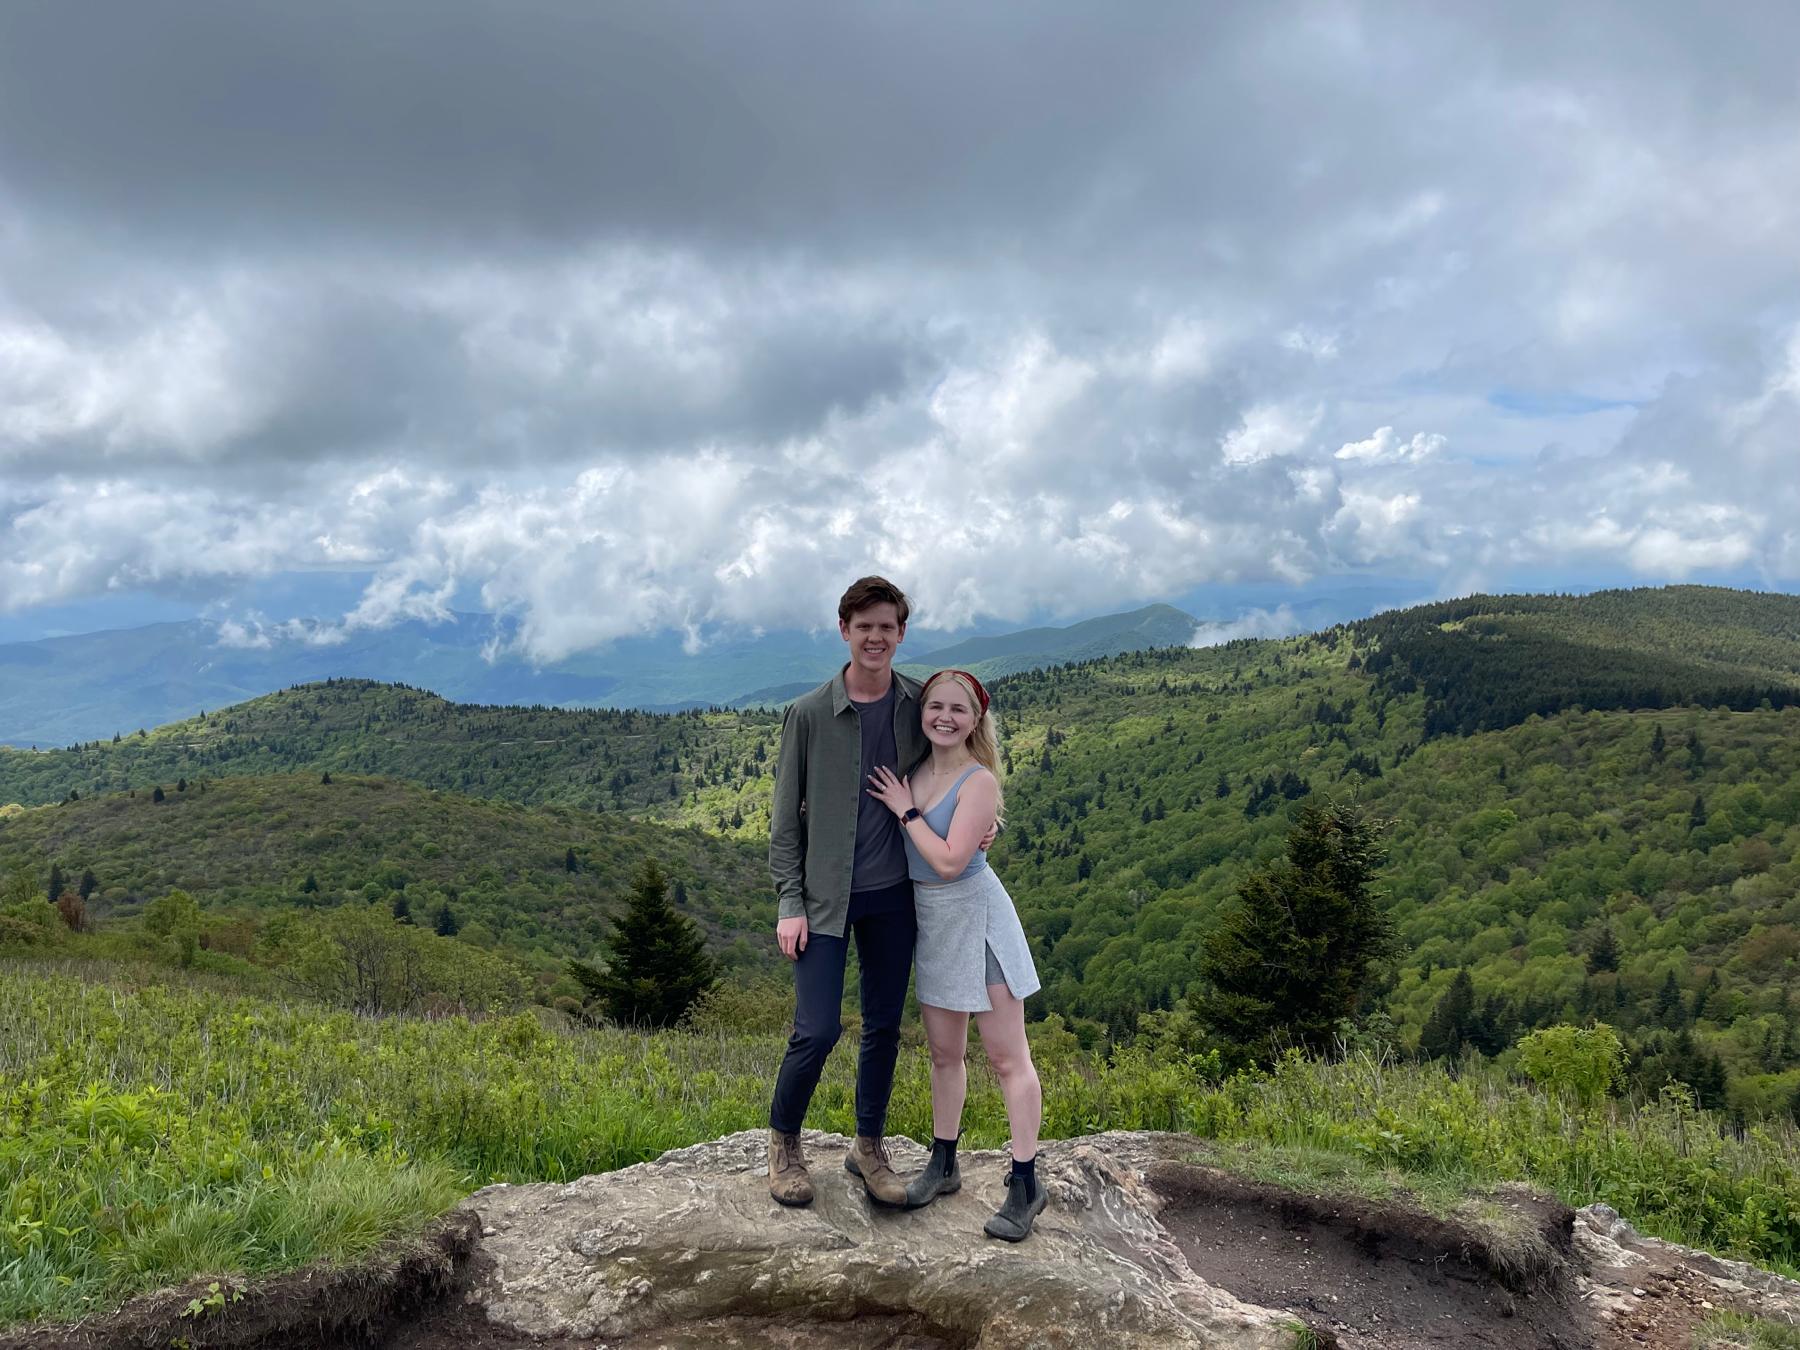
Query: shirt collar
x=840 y=693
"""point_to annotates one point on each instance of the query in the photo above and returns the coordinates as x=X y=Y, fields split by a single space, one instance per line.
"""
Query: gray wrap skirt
x=960 y=923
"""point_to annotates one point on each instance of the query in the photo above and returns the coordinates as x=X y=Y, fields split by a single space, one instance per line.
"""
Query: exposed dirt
x=1362 y=1275
x=317 y=1308
x=464 y=1328
x=1368 y=1276
x=1655 y=1305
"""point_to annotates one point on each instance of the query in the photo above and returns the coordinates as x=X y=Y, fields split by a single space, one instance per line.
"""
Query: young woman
x=971 y=955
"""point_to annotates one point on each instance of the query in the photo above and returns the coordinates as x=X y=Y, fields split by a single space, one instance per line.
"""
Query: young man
x=840 y=869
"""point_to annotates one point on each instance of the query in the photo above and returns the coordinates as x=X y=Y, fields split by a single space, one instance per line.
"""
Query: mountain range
x=63 y=690
x=1595 y=807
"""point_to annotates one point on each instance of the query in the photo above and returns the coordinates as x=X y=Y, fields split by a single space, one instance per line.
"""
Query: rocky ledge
x=1143 y=1245
x=694 y=1237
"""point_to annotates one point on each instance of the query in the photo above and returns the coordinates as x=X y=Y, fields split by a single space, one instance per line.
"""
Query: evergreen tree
x=325 y=779
x=402 y=908
x=446 y=924
x=1492 y=1030
x=1291 y=959
x=657 y=964
x=1702 y=995
x=570 y=863
x=157 y=795
x=1604 y=953
x=55 y=889
x=1668 y=1003
x=1448 y=1027
x=89 y=883
x=1659 y=745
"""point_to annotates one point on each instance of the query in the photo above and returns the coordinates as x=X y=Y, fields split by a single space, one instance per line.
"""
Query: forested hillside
x=541 y=882
x=1640 y=867
x=648 y=763
x=1596 y=807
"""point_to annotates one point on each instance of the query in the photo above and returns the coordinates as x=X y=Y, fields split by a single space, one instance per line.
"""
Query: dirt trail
x=1365 y=1276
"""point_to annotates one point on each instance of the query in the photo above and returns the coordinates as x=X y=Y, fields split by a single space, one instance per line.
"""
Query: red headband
x=974 y=684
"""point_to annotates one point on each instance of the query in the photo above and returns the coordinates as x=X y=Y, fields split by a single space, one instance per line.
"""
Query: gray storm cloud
x=673 y=316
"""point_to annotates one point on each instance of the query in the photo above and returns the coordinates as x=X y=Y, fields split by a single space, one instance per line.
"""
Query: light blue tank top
x=938 y=817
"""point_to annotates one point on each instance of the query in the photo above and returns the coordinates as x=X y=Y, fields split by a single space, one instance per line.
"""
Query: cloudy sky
x=624 y=318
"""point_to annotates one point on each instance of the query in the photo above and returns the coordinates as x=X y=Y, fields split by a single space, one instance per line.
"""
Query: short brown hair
x=866 y=591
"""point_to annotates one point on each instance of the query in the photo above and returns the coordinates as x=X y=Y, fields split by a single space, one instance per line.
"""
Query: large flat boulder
x=694 y=1239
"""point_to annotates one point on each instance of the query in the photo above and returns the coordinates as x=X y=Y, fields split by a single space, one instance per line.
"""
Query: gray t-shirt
x=880 y=854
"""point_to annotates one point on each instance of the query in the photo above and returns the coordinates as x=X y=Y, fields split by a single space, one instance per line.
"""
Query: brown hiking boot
x=788 y=1181
x=868 y=1159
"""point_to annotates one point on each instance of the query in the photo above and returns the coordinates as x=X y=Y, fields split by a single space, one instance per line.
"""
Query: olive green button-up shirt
x=818 y=787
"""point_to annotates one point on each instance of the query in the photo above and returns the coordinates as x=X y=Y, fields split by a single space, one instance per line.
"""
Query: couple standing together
x=887 y=794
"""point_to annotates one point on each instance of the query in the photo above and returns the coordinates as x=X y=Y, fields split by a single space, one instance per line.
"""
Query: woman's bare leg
x=947 y=1035
x=1003 y=1037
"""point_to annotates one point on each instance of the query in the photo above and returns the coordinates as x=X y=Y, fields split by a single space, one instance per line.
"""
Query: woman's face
x=949 y=715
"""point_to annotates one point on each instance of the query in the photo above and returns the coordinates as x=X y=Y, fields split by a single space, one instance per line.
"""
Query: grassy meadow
x=154 y=1127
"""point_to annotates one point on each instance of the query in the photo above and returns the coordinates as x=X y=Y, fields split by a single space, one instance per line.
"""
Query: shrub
x=1585 y=1063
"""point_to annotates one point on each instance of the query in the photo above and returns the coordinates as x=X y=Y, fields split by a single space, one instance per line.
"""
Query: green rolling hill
x=989 y=658
x=249 y=845
x=1596 y=805
x=597 y=759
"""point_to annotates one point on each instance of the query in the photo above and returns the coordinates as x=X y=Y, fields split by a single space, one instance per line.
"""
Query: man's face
x=873 y=634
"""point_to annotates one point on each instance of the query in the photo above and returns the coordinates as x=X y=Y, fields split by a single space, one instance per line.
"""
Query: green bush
x=1587 y=1063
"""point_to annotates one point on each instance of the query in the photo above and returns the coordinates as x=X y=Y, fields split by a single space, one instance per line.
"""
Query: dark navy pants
x=884 y=951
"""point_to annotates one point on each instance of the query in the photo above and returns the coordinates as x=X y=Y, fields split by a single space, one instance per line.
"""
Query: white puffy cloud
x=1267 y=430
x=1088 y=325
x=1280 y=621
x=1384 y=447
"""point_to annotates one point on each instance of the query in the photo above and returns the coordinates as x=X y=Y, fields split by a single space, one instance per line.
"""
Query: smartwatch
x=909 y=815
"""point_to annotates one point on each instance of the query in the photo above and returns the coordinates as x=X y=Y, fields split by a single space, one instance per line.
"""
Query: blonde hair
x=983 y=742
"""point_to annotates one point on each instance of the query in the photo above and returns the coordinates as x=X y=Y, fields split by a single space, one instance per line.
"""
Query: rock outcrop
x=1142 y=1246
x=694 y=1237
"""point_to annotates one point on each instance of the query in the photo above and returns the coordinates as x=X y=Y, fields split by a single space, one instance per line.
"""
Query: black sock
x=947 y=1147
x=1028 y=1170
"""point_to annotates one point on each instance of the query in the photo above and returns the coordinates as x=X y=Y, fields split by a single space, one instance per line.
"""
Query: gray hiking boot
x=868 y=1159
x=789 y=1183
x=1012 y=1222
x=942 y=1176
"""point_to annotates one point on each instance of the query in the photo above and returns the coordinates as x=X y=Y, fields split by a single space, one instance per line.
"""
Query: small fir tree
x=1447 y=1030
x=1604 y=954
x=657 y=963
x=1291 y=960
x=1668 y=1003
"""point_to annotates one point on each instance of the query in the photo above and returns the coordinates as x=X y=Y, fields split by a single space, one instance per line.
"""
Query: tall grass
x=150 y=1131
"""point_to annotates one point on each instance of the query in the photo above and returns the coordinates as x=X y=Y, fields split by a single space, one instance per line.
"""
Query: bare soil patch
x=1366 y=1275
x=466 y=1328
x=320 y=1307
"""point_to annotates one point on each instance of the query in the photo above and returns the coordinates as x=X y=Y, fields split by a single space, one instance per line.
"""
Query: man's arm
x=787 y=834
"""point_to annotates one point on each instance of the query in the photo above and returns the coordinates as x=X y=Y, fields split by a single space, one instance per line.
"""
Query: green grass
x=1735 y=1331
x=150 y=1130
